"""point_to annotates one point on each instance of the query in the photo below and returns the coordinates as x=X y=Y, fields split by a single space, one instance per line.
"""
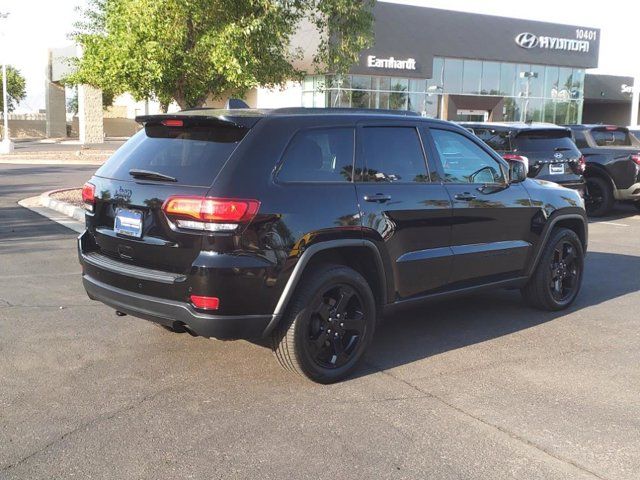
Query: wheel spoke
x=345 y=295
x=570 y=255
x=337 y=349
x=320 y=341
x=323 y=310
x=356 y=322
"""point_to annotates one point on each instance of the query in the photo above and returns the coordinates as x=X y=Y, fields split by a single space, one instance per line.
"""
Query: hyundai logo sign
x=530 y=40
x=527 y=40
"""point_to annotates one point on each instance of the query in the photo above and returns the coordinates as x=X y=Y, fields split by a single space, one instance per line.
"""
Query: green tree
x=16 y=88
x=186 y=50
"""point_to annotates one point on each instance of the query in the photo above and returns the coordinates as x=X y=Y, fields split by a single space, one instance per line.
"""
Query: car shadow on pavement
x=437 y=327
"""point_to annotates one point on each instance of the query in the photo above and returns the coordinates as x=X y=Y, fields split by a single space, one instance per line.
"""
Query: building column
x=90 y=124
x=56 y=115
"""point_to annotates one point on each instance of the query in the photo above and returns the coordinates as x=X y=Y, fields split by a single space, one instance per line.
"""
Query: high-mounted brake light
x=611 y=128
x=170 y=122
x=205 y=303
x=210 y=214
x=89 y=196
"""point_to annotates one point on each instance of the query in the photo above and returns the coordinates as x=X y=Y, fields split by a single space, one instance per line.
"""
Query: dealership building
x=456 y=66
x=438 y=63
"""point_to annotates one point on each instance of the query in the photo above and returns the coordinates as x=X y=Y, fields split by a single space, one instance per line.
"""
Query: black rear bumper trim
x=170 y=313
x=106 y=263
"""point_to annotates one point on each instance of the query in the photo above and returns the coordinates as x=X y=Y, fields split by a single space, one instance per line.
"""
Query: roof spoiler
x=179 y=120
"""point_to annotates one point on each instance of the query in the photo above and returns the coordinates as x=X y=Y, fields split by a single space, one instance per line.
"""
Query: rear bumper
x=172 y=313
x=631 y=193
x=580 y=187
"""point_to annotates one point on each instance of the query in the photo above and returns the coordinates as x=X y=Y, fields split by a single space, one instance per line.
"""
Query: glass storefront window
x=452 y=75
x=544 y=93
x=508 y=79
x=490 y=78
x=436 y=82
x=471 y=75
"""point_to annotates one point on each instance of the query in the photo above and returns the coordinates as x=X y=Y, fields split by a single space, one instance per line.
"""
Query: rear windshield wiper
x=561 y=149
x=150 y=175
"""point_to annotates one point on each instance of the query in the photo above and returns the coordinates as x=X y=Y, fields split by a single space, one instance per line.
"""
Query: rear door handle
x=378 y=197
x=465 y=196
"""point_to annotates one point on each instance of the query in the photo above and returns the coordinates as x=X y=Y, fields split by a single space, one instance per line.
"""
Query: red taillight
x=636 y=158
x=170 y=122
x=212 y=214
x=582 y=165
x=89 y=196
x=205 y=303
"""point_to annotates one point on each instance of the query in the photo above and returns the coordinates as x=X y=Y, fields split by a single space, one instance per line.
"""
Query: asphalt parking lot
x=480 y=388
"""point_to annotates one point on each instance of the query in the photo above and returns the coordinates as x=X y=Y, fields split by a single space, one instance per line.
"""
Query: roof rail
x=330 y=110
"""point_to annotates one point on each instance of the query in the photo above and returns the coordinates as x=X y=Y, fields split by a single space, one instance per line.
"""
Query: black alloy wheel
x=556 y=281
x=329 y=324
x=599 y=197
x=336 y=327
x=565 y=271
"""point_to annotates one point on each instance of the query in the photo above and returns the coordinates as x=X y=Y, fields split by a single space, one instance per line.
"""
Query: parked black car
x=547 y=149
x=613 y=166
x=306 y=226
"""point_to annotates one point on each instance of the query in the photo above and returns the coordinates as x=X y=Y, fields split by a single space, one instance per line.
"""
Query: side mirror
x=518 y=167
x=517 y=171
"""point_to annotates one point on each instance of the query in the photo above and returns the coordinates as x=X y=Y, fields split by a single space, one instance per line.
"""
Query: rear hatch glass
x=611 y=137
x=191 y=156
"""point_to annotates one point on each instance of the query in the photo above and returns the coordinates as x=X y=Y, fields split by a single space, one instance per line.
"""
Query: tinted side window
x=463 y=161
x=496 y=139
x=393 y=154
x=319 y=155
x=581 y=141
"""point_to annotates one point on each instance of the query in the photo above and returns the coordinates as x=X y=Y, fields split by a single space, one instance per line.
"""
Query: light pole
x=528 y=76
x=6 y=146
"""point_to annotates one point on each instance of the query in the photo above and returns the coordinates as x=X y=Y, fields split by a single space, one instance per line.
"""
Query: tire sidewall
x=319 y=285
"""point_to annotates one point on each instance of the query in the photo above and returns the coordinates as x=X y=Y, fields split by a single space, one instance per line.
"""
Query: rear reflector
x=226 y=213
x=205 y=303
x=89 y=196
x=172 y=123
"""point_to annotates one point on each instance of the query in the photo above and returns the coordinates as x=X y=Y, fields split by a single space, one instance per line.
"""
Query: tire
x=314 y=338
x=546 y=287
x=600 y=199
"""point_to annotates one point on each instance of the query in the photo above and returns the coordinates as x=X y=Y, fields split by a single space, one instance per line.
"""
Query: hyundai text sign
x=580 y=44
x=392 y=63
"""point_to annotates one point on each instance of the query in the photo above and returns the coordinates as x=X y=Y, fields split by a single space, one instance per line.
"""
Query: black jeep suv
x=547 y=150
x=306 y=226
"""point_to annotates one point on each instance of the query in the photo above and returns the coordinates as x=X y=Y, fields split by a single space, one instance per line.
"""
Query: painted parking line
x=610 y=223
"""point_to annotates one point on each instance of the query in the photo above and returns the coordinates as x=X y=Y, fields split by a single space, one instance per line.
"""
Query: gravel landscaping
x=72 y=196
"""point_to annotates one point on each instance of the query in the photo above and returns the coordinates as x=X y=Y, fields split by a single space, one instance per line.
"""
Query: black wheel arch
x=577 y=222
x=360 y=254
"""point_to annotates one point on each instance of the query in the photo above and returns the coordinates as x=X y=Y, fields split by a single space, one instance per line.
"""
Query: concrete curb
x=65 y=208
x=62 y=213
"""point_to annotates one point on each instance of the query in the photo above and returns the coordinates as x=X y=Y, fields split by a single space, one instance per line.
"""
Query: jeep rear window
x=192 y=155
x=611 y=138
x=544 y=141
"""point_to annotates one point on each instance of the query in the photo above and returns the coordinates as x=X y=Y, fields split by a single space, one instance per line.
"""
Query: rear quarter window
x=319 y=155
x=193 y=155
x=496 y=139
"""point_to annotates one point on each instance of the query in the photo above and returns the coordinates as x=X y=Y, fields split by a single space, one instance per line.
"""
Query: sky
x=36 y=25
